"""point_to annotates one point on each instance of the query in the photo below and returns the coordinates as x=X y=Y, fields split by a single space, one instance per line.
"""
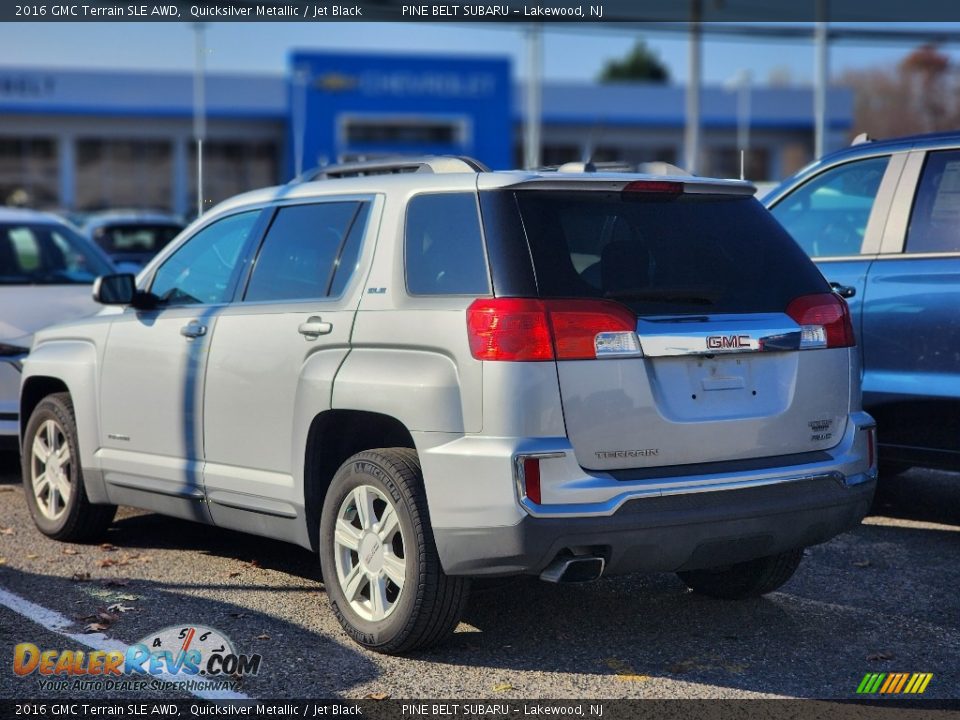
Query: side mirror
x=119 y=289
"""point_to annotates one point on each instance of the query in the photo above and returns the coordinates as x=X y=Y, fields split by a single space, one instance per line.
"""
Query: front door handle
x=193 y=329
x=314 y=327
x=844 y=291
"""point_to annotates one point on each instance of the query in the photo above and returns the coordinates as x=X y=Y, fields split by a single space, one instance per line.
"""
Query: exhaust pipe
x=573 y=570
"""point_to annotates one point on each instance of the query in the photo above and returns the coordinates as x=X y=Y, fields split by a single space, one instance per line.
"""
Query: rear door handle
x=193 y=329
x=314 y=327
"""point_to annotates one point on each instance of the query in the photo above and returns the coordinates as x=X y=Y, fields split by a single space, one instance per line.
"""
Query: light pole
x=533 y=97
x=741 y=84
x=199 y=107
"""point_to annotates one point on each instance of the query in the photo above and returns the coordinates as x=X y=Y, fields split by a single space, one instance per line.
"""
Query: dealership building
x=87 y=140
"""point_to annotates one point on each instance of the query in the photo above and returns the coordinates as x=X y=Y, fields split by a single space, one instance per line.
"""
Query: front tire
x=379 y=561
x=53 y=478
x=744 y=580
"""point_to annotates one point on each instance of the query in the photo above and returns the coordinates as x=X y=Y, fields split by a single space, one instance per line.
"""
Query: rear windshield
x=686 y=254
x=136 y=237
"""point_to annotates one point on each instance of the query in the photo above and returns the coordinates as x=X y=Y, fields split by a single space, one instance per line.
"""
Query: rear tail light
x=521 y=329
x=824 y=321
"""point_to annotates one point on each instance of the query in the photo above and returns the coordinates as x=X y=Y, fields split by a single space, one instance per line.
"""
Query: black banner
x=539 y=11
x=475 y=709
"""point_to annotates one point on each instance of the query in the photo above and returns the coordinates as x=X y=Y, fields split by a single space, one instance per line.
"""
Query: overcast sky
x=572 y=52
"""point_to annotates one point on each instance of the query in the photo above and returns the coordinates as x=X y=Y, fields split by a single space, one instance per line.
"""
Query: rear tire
x=377 y=547
x=53 y=478
x=744 y=580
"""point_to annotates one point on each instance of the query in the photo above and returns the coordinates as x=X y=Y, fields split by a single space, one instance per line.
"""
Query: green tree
x=641 y=63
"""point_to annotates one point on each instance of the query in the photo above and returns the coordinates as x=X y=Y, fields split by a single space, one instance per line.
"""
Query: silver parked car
x=426 y=372
x=46 y=271
x=131 y=237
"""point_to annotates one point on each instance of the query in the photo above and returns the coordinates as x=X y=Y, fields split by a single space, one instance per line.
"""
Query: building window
x=29 y=172
x=233 y=167
x=124 y=173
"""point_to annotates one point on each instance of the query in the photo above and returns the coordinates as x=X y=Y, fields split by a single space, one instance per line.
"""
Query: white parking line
x=52 y=620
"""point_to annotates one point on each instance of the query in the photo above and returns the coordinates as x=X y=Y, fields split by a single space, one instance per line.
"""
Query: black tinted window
x=686 y=254
x=301 y=251
x=935 y=221
x=444 y=246
x=135 y=238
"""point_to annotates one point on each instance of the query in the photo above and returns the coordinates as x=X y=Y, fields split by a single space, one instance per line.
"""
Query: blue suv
x=882 y=221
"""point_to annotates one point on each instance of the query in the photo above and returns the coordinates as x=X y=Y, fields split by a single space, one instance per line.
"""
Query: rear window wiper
x=665 y=296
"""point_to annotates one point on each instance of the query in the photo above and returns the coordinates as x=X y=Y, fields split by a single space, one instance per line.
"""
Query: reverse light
x=824 y=321
x=525 y=330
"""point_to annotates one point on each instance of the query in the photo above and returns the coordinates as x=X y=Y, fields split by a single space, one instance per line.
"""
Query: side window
x=444 y=246
x=935 y=219
x=202 y=270
x=307 y=251
x=828 y=215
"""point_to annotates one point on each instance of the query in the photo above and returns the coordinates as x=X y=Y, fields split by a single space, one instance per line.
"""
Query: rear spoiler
x=619 y=183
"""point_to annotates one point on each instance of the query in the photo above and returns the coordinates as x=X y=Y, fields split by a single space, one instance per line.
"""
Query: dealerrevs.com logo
x=177 y=655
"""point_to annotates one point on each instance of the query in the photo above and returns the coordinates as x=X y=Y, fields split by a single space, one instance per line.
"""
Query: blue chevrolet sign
x=345 y=107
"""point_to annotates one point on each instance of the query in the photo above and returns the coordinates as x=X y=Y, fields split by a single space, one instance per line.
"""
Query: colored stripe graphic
x=894 y=683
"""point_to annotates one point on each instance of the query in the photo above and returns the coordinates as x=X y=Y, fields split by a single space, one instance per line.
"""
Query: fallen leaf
x=377 y=696
x=94 y=628
x=108 y=547
x=262 y=636
x=128 y=598
x=6 y=531
x=70 y=551
x=118 y=608
x=624 y=671
x=862 y=563
x=146 y=559
x=503 y=687
x=234 y=574
x=108 y=562
x=80 y=577
x=32 y=556
x=107 y=617
x=882 y=655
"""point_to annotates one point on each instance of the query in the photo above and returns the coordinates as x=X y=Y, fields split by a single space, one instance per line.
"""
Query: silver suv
x=427 y=372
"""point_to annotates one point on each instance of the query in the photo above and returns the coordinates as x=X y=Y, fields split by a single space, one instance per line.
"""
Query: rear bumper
x=651 y=520
x=671 y=532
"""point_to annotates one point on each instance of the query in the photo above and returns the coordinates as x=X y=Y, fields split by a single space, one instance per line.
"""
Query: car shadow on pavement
x=920 y=494
x=878 y=599
x=297 y=661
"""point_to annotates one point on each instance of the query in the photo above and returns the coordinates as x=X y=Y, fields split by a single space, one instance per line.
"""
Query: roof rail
x=395 y=165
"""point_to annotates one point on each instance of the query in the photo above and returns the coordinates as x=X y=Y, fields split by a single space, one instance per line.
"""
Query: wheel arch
x=334 y=436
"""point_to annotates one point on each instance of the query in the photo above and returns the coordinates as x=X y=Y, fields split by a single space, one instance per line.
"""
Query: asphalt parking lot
x=882 y=598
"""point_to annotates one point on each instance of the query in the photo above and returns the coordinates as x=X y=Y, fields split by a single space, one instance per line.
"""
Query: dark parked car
x=132 y=238
x=882 y=221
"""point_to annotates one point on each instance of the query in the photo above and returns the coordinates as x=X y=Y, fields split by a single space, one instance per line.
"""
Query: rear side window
x=935 y=220
x=308 y=252
x=444 y=246
x=686 y=254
